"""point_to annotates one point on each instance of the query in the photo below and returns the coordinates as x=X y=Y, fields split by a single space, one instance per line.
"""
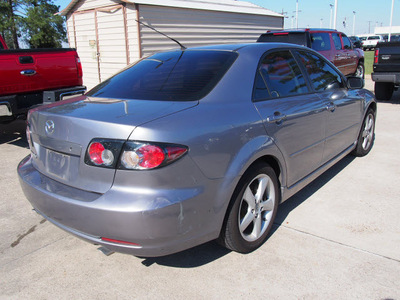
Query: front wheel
x=366 y=136
x=252 y=210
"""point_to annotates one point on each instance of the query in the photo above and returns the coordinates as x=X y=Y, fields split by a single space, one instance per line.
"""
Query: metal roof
x=232 y=6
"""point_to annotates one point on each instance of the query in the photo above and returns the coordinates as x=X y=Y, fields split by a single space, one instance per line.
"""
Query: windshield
x=172 y=76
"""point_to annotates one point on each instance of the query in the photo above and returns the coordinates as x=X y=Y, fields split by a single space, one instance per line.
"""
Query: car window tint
x=171 y=76
x=322 y=75
x=346 y=42
x=282 y=75
x=320 y=41
x=336 y=41
x=260 y=89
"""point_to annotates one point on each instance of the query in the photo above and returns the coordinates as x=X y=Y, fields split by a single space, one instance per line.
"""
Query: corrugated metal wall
x=200 y=27
x=106 y=40
x=107 y=36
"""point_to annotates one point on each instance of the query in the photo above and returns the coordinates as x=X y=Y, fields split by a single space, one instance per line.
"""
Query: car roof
x=302 y=30
x=247 y=46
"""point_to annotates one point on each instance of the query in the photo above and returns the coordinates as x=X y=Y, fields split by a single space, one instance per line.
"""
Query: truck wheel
x=384 y=90
x=252 y=211
x=360 y=71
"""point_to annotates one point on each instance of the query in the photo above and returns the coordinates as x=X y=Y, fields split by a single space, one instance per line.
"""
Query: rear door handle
x=28 y=72
x=277 y=117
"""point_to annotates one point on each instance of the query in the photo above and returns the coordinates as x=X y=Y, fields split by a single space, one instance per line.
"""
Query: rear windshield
x=298 y=38
x=171 y=76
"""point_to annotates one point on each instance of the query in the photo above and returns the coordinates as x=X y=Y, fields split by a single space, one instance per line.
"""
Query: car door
x=350 y=60
x=343 y=107
x=339 y=59
x=293 y=116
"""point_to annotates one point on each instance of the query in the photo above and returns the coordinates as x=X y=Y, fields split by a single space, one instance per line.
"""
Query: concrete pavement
x=339 y=238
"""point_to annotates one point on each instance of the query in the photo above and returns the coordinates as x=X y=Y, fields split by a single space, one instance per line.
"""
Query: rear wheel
x=252 y=210
x=366 y=137
x=384 y=90
x=360 y=71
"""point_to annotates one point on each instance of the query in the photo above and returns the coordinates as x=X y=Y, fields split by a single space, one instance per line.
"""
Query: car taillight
x=146 y=156
x=376 y=56
x=133 y=155
x=103 y=153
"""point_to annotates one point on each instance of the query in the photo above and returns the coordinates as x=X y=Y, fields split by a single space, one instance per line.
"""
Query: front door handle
x=28 y=72
x=277 y=117
x=331 y=107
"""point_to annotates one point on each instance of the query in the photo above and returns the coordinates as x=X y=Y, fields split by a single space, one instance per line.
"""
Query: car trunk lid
x=60 y=135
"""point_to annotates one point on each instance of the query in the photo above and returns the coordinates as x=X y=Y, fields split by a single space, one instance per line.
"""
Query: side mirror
x=355 y=83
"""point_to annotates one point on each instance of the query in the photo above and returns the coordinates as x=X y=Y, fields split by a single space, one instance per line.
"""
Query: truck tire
x=360 y=71
x=384 y=90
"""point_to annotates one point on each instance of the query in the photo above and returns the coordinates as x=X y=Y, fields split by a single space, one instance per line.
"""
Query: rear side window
x=336 y=41
x=323 y=77
x=171 y=76
x=320 y=41
x=279 y=76
x=298 y=38
x=346 y=42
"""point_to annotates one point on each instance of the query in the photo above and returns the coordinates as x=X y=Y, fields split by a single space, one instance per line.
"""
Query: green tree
x=33 y=21
x=10 y=21
x=42 y=27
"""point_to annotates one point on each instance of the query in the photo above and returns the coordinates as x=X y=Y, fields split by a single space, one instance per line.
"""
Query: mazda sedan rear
x=193 y=145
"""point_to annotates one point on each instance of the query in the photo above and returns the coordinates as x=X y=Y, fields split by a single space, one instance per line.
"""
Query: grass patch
x=369 y=61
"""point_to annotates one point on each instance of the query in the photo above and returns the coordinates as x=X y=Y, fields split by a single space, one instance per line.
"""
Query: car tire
x=360 y=71
x=366 y=136
x=252 y=210
x=383 y=90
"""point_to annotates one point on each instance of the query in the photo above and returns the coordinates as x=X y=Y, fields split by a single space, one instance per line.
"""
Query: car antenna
x=182 y=47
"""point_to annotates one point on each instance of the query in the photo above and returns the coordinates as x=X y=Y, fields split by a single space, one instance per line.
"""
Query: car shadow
x=293 y=202
x=14 y=133
x=211 y=251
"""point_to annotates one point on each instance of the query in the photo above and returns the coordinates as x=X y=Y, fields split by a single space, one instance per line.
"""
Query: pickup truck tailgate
x=33 y=70
x=387 y=57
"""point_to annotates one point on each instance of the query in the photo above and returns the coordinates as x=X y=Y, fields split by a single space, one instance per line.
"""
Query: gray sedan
x=193 y=145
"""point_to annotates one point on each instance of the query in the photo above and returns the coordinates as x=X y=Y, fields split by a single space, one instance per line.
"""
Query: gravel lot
x=338 y=239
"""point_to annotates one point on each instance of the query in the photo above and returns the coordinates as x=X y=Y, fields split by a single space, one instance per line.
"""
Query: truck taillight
x=376 y=56
x=79 y=67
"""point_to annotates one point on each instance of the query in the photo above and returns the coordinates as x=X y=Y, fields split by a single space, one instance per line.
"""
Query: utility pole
x=297 y=14
x=330 y=17
x=335 y=16
x=391 y=20
x=369 y=26
x=320 y=23
x=354 y=21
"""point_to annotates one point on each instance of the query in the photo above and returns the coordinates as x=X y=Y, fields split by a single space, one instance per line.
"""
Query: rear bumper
x=386 y=77
x=160 y=222
x=17 y=106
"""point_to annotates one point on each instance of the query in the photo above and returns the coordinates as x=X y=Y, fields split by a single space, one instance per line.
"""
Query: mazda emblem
x=49 y=127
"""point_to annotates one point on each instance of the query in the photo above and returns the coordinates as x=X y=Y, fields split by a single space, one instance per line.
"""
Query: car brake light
x=133 y=155
x=281 y=33
x=100 y=155
x=146 y=156
x=376 y=56
x=103 y=152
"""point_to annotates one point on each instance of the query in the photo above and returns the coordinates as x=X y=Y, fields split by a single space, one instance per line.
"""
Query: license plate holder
x=57 y=164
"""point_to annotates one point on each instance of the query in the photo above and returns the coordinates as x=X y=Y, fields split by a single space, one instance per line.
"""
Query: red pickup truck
x=36 y=76
x=332 y=44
